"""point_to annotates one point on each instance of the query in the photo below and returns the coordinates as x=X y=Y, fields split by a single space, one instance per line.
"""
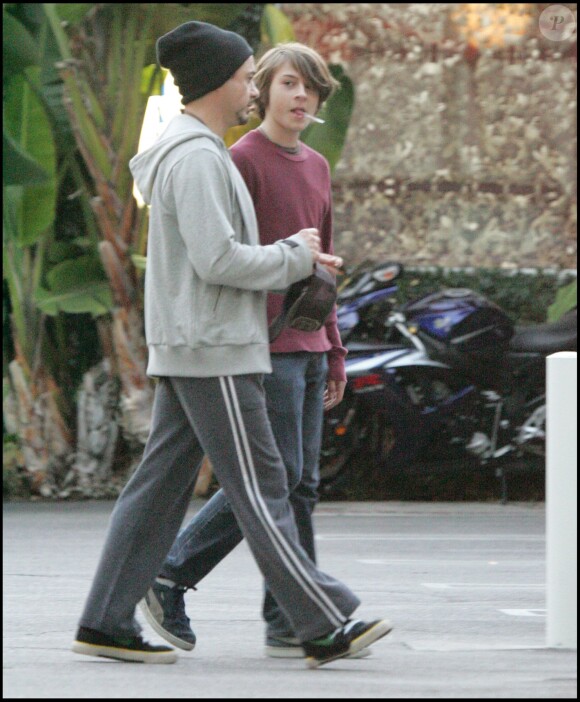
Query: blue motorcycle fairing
x=347 y=311
x=368 y=299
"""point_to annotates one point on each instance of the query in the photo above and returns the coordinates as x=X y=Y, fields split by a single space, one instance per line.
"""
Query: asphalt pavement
x=463 y=584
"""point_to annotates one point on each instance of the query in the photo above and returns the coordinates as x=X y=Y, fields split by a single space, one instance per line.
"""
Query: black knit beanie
x=201 y=57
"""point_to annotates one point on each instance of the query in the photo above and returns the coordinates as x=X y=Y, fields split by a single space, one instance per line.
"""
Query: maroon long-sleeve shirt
x=291 y=192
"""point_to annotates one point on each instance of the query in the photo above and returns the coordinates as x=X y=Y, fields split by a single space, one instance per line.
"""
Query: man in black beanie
x=207 y=335
x=201 y=57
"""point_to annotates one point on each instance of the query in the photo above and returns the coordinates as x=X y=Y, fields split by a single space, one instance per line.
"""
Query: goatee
x=242 y=117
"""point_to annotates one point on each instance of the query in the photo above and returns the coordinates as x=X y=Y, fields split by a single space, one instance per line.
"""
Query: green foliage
x=18 y=166
x=328 y=138
x=19 y=48
x=76 y=286
x=73 y=12
x=166 y=16
x=566 y=299
x=248 y=23
x=139 y=261
x=29 y=198
x=39 y=157
x=219 y=13
x=27 y=123
x=275 y=27
x=524 y=296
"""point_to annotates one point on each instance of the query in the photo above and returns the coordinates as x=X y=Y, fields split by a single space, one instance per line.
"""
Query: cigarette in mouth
x=313 y=118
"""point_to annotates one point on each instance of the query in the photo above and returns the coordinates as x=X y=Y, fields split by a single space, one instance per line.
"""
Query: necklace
x=185 y=112
x=287 y=149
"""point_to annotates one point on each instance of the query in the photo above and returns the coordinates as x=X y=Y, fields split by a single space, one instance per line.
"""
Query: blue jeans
x=294 y=397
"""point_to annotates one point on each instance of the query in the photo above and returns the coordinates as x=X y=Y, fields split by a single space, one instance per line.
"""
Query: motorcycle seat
x=547 y=338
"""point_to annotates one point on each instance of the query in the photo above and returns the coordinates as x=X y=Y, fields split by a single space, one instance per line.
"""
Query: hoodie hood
x=180 y=130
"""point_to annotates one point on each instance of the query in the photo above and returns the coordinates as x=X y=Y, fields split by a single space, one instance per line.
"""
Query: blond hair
x=305 y=60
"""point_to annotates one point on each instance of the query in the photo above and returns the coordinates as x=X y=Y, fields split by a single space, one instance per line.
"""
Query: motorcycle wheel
x=531 y=435
x=340 y=440
x=375 y=444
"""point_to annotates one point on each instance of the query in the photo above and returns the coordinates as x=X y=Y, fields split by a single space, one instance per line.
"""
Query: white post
x=561 y=500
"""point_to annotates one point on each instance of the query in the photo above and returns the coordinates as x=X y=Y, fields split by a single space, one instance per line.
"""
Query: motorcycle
x=364 y=298
x=448 y=380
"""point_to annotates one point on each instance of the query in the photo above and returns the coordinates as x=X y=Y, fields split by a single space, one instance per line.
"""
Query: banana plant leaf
x=18 y=166
x=73 y=12
x=566 y=300
x=76 y=286
x=26 y=122
x=19 y=49
x=139 y=261
x=328 y=138
x=275 y=27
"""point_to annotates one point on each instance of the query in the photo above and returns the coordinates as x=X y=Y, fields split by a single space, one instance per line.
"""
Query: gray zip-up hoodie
x=207 y=276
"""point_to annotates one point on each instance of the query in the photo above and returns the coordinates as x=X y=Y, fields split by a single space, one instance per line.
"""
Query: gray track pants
x=225 y=418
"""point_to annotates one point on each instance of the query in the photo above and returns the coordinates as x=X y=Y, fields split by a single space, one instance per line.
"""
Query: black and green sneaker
x=290 y=647
x=347 y=640
x=133 y=649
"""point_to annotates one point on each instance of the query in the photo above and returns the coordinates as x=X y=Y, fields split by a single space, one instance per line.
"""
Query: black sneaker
x=290 y=647
x=123 y=648
x=164 y=608
x=347 y=640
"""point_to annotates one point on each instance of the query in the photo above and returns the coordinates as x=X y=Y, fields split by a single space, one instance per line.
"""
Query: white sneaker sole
x=380 y=629
x=156 y=626
x=123 y=654
x=298 y=652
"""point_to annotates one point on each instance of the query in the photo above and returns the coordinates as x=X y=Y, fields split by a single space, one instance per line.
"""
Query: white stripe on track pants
x=226 y=419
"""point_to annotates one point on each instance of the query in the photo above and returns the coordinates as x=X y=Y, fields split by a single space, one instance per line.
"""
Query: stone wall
x=462 y=145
